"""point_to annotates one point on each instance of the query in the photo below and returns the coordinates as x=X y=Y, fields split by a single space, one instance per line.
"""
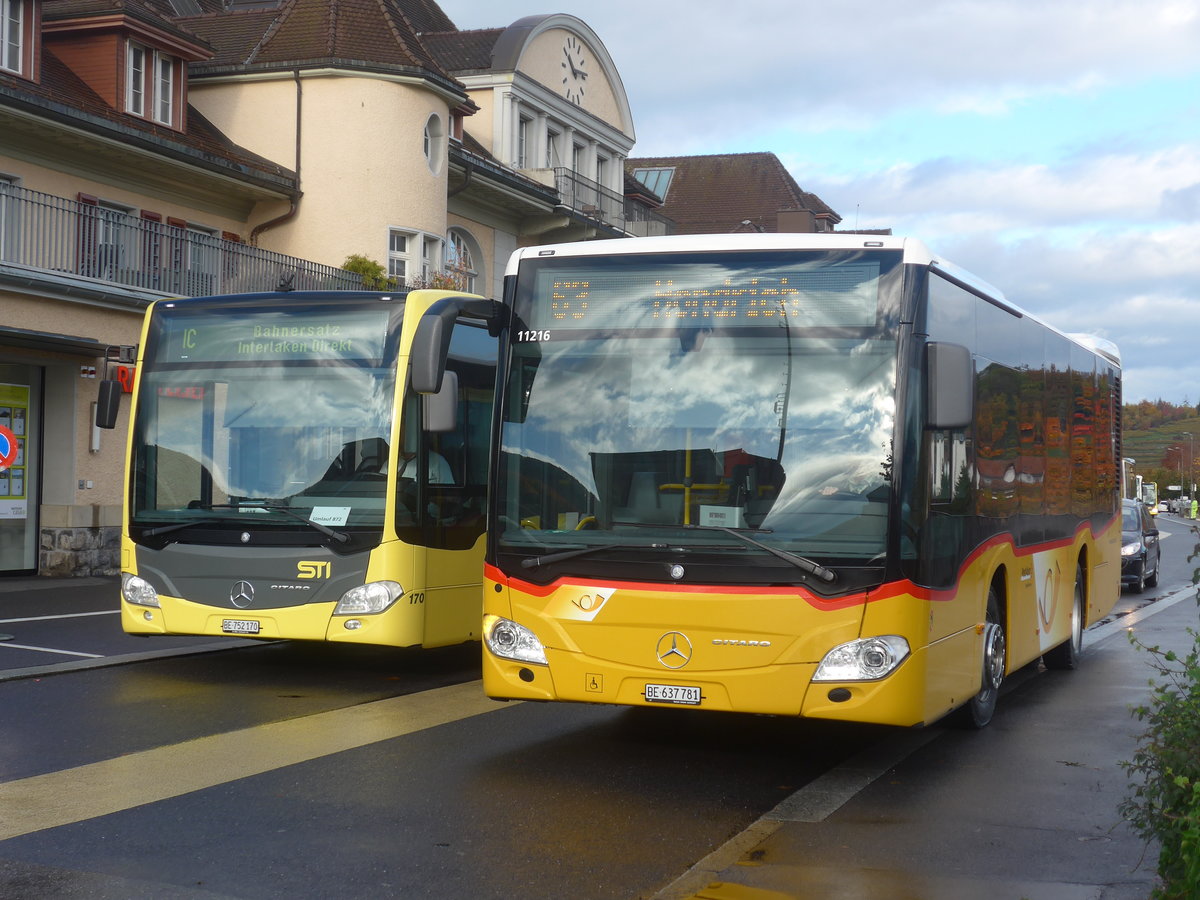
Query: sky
x=1050 y=148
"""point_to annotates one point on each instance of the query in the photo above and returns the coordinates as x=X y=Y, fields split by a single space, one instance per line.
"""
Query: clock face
x=574 y=69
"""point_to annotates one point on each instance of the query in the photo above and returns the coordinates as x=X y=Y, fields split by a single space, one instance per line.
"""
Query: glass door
x=20 y=427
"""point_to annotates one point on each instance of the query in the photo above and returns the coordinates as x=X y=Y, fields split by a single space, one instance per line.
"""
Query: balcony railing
x=42 y=231
x=594 y=201
x=641 y=221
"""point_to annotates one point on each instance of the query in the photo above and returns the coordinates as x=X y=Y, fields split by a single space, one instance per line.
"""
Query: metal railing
x=594 y=201
x=641 y=221
x=56 y=235
x=590 y=199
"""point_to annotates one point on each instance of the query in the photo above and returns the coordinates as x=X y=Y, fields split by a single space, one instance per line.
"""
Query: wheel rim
x=1077 y=620
x=993 y=656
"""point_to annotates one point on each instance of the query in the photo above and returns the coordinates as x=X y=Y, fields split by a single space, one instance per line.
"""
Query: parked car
x=1140 y=550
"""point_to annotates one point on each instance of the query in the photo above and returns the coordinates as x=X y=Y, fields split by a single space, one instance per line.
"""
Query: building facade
x=155 y=148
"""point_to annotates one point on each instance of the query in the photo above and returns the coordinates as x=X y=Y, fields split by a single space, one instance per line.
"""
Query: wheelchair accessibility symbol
x=9 y=448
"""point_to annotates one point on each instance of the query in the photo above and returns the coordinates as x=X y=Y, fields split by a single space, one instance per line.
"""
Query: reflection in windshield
x=316 y=435
x=766 y=429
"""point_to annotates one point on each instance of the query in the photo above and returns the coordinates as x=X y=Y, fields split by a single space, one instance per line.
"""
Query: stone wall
x=79 y=551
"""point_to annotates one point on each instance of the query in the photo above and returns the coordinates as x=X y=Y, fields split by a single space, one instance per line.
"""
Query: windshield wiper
x=533 y=562
x=807 y=565
x=272 y=505
x=813 y=568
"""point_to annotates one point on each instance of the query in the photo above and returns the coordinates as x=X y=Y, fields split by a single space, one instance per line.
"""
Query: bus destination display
x=275 y=336
x=660 y=296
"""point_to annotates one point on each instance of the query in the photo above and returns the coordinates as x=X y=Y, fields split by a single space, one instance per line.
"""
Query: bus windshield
x=693 y=401
x=274 y=416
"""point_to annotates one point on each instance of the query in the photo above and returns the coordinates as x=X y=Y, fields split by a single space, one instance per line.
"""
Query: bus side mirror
x=431 y=342
x=440 y=412
x=108 y=404
x=950 y=386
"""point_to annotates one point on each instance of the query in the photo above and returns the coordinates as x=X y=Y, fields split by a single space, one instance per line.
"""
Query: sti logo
x=307 y=568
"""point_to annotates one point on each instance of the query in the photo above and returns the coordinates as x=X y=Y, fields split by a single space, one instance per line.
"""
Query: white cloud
x=1091 y=223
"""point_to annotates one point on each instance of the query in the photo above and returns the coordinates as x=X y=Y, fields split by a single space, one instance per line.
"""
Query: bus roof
x=914 y=252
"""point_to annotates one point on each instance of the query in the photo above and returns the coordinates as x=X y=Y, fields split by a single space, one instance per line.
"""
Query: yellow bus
x=830 y=476
x=283 y=482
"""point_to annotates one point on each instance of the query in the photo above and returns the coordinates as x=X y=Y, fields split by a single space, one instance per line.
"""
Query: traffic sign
x=9 y=447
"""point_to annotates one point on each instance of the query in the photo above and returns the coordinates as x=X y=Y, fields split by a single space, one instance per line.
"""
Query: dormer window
x=12 y=35
x=150 y=84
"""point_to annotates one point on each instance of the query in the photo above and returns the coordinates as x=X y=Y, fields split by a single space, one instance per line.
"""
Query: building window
x=431 y=254
x=552 y=143
x=601 y=170
x=461 y=261
x=135 y=80
x=657 y=180
x=523 y=142
x=398 y=261
x=435 y=143
x=150 y=84
x=577 y=158
x=12 y=19
x=413 y=258
x=164 y=88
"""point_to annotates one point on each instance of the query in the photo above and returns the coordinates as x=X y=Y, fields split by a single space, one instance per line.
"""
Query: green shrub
x=374 y=275
x=1164 y=799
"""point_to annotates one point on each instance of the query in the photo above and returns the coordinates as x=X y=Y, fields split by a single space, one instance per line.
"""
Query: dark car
x=1140 y=555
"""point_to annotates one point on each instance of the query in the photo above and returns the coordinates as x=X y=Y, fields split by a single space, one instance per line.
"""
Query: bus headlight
x=139 y=591
x=509 y=640
x=368 y=599
x=866 y=659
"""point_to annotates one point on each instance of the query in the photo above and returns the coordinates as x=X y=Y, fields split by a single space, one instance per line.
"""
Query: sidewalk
x=1025 y=809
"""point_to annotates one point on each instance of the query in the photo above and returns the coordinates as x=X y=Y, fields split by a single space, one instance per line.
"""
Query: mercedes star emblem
x=241 y=594
x=674 y=650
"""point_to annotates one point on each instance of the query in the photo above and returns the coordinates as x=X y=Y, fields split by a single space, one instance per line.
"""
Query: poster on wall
x=14 y=412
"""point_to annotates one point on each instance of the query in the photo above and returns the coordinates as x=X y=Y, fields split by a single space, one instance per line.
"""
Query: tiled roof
x=426 y=16
x=460 y=51
x=716 y=194
x=156 y=13
x=372 y=32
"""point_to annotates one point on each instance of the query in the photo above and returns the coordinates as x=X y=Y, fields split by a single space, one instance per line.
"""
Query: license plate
x=239 y=626
x=673 y=693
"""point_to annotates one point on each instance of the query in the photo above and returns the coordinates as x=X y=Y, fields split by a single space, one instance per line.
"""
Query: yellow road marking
x=98 y=789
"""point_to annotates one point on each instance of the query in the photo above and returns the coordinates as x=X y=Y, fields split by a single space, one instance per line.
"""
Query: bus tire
x=1066 y=655
x=977 y=712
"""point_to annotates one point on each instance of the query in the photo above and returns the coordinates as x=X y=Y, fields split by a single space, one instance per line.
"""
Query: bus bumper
x=783 y=690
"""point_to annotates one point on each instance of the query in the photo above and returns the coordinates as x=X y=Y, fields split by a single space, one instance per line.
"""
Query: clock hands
x=577 y=73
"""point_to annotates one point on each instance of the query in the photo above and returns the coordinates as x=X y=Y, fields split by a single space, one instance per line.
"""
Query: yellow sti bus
x=829 y=476
x=283 y=482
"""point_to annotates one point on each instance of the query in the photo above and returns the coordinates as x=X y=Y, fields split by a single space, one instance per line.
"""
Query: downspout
x=470 y=169
x=295 y=203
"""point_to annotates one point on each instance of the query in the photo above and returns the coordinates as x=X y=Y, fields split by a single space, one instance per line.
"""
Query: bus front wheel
x=979 y=709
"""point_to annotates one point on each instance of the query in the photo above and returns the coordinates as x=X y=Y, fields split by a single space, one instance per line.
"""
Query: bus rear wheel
x=979 y=709
x=1066 y=655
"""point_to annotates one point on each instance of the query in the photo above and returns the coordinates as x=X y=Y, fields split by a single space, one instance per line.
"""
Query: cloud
x=1052 y=149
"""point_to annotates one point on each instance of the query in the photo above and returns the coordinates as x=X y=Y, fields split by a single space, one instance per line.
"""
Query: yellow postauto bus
x=830 y=476
x=283 y=482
